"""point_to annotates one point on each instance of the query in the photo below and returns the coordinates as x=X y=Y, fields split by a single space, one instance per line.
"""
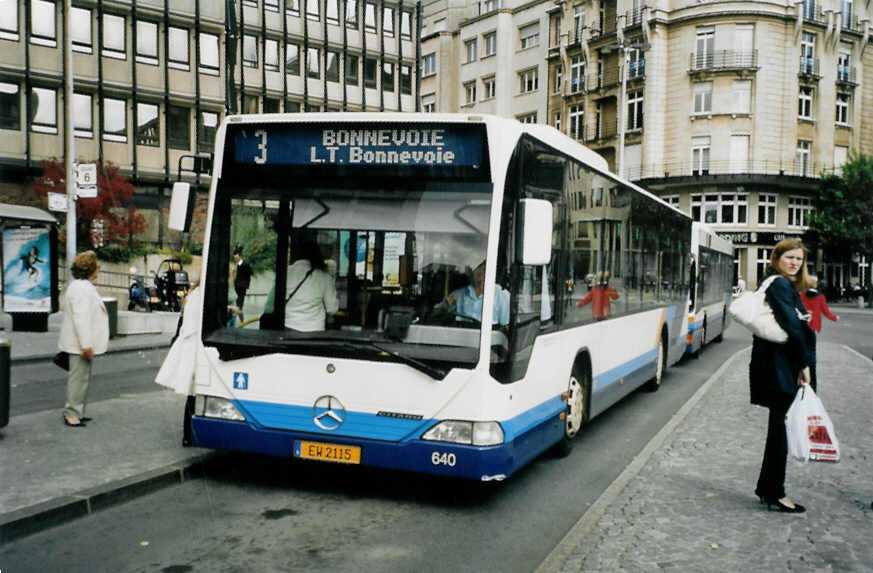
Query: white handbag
x=752 y=311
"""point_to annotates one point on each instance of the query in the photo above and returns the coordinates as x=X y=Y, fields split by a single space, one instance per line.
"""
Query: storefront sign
x=756 y=237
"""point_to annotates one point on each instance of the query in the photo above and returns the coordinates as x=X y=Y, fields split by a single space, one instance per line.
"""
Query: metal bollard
x=5 y=359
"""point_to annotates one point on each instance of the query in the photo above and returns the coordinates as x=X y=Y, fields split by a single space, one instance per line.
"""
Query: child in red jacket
x=816 y=304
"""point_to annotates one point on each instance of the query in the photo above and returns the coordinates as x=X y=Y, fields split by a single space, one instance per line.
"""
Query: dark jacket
x=243 y=276
x=775 y=367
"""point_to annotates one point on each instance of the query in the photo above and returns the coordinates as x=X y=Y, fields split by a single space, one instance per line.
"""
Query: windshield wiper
x=354 y=343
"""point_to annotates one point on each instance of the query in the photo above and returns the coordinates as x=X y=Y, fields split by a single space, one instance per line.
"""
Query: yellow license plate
x=327 y=452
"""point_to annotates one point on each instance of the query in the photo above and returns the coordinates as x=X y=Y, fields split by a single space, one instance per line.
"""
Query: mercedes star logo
x=328 y=413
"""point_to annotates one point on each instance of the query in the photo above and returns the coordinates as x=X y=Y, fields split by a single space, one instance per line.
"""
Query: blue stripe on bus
x=624 y=370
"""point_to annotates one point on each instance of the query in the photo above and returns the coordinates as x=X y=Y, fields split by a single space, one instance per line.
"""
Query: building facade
x=729 y=110
x=153 y=78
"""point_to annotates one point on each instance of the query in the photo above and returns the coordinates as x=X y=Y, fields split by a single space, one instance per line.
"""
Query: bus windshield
x=396 y=268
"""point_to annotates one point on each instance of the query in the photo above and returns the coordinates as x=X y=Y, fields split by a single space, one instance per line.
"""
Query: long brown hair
x=801 y=280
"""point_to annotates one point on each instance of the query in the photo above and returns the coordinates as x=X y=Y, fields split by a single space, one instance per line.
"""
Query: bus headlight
x=214 y=407
x=463 y=432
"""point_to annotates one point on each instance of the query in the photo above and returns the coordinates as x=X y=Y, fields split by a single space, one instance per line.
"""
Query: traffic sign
x=57 y=202
x=86 y=180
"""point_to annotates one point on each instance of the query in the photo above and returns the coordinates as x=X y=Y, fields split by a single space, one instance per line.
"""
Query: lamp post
x=625 y=56
x=68 y=130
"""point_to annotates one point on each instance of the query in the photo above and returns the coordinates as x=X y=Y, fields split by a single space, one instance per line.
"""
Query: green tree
x=253 y=230
x=841 y=223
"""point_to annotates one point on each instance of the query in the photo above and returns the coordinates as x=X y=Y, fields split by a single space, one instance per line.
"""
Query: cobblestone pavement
x=692 y=508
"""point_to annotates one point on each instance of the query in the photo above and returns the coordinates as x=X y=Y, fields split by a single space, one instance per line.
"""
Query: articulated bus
x=711 y=288
x=585 y=291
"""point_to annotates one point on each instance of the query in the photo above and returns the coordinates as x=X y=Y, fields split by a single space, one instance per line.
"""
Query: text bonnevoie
x=421 y=146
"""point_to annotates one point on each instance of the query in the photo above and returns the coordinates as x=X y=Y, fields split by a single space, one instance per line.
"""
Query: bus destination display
x=445 y=146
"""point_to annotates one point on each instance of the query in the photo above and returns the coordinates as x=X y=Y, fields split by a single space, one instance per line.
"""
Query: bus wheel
x=720 y=336
x=578 y=392
x=655 y=383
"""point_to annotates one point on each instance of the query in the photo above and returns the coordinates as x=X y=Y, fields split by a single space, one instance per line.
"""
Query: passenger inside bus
x=312 y=293
x=466 y=303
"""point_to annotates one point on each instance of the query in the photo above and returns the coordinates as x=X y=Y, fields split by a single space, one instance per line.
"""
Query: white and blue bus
x=586 y=279
x=712 y=281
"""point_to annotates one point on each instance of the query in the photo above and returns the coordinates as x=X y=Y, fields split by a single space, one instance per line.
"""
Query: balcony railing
x=846 y=76
x=811 y=12
x=605 y=27
x=793 y=168
x=723 y=60
x=809 y=68
x=634 y=17
x=486 y=6
x=607 y=79
x=603 y=130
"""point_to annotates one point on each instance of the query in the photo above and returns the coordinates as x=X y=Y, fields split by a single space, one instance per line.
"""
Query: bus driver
x=467 y=301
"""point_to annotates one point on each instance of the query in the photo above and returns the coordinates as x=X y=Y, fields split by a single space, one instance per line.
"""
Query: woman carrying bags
x=778 y=369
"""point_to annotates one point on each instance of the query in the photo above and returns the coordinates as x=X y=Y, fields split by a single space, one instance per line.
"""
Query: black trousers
x=240 y=297
x=771 y=481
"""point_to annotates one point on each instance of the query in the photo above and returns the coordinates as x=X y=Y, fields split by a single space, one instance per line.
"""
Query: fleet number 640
x=443 y=459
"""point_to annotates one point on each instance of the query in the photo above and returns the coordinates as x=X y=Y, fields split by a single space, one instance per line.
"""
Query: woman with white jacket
x=84 y=334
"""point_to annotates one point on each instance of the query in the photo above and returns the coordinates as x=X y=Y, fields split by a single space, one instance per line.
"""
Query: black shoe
x=86 y=419
x=779 y=506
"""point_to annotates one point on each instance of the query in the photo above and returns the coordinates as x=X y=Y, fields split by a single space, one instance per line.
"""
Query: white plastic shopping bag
x=810 y=431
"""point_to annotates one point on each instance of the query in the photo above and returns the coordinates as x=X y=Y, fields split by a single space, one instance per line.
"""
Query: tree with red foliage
x=120 y=223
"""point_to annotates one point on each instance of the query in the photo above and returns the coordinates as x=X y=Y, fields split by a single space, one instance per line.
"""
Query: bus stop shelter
x=28 y=266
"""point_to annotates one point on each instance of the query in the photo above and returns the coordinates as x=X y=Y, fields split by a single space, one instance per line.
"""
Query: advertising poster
x=27 y=270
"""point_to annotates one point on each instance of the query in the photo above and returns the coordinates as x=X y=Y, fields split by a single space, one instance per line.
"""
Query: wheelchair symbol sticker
x=241 y=380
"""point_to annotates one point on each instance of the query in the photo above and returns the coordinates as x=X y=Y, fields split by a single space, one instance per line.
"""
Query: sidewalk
x=51 y=473
x=687 y=503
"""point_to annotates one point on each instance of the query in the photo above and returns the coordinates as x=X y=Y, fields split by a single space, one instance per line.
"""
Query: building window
x=271 y=55
x=717 y=208
x=528 y=81
x=742 y=96
x=206 y=131
x=313 y=63
x=428 y=103
x=387 y=77
x=42 y=23
x=846 y=13
x=577 y=122
x=739 y=154
x=803 y=160
x=556 y=120
x=178 y=48
x=577 y=74
x=331 y=66
x=841 y=154
x=83 y=119
x=804 y=103
x=578 y=22
x=115 y=119
x=703 y=97
x=147 y=42
x=292 y=59
x=406 y=24
x=559 y=79
x=490 y=40
x=178 y=128
x=312 y=10
x=370 y=17
x=635 y=110
x=44 y=110
x=406 y=80
x=470 y=93
x=208 y=53
x=10 y=106
x=671 y=200
x=271 y=105
x=250 y=51
x=352 y=14
x=147 y=125
x=489 y=86
x=387 y=21
x=472 y=50
x=766 y=209
x=528 y=118
x=844 y=64
x=331 y=11
x=807 y=53
x=371 y=66
x=842 y=109
x=272 y=5
x=808 y=9
x=799 y=209
x=351 y=70
x=529 y=36
x=428 y=65
x=700 y=155
x=705 y=48
x=250 y=104
x=114 y=36
x=9 y=21
x=80 y=21
x=763 y=263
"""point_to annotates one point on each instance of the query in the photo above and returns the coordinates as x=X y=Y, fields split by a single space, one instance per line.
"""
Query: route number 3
x=443 y=459
x=262 y=147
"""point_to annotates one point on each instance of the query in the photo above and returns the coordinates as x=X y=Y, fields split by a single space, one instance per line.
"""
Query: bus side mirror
x=536 y=231
x=181 y=207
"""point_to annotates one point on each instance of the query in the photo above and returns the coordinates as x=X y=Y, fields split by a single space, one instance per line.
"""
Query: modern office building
x=729 y=110
x=153 y=78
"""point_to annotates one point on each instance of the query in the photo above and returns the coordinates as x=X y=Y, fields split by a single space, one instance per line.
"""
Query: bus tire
x=655 y=383
x=720 y=336
x=579 y=395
